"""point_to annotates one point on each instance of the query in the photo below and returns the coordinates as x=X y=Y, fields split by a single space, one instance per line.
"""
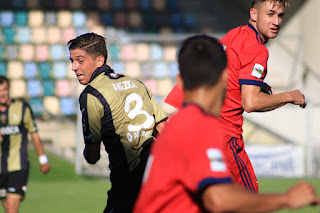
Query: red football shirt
x=247 y=64
x=186 y=158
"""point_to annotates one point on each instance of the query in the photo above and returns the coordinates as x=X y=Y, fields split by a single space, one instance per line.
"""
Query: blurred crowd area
x=34 y=54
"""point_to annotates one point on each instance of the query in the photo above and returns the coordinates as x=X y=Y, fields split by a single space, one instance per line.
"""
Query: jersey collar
x=185 y=104
x=104 y=68
x=259 y=39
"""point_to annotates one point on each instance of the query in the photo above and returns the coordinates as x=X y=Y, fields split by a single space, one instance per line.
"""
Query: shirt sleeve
x=175 y=97
x=92 y=113
x=254 y=72
x=29 y=119
x=210 y=156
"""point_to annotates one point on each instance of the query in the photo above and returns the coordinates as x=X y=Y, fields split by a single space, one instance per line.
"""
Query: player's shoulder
x=19 y=101
x=258 y=50
x=196 y=115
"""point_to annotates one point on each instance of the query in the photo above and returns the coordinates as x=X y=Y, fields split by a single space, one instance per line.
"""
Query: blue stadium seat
x=6 y=18
x=30 y=70
x=34 y=88
x=36 y=105
x=68 y=106
x=59 y=70
x=160 y=70
x=189 y=20
x=107 y=19
x=176 y=20
x=79 y=19
x=81 y=30
x=145 y=5
x=118 y=67
x=117 y=4
x=114 y=51
x=23 y=35
x=1 y=52
x=3 y=68
x=21 y=18
x=19 y=4
x=156 y=52
x=57 y=52
x=48 y=87
x=1 y=35
x=44 y=70
x=173 y=4
x=173 y=69
x=9 y=34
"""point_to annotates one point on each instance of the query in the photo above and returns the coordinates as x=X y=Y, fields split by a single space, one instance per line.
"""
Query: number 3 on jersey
x=137 y=110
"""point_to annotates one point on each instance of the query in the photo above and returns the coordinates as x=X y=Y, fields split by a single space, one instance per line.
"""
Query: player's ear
x=224 y=76
x=253 y=14
x=100 y=61
x=179 y=81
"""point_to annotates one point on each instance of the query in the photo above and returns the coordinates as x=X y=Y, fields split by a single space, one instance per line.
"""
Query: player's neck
x=207 y=98
x=3 y=107
x=264 y=39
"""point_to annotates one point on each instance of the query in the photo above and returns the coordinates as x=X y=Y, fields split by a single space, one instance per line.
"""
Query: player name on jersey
x=9 y=130
x=123 y=85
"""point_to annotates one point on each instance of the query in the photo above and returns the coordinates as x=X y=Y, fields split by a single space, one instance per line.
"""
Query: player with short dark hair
x=187 y=170
x=203 y=62
x=119 y=111
x=246 y=91
x=16 y=121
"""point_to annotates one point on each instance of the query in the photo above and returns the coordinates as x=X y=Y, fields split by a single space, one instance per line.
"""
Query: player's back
x=128 y=110
x=178 y=163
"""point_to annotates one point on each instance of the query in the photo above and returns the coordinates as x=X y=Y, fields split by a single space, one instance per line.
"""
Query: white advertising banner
x=276 y=160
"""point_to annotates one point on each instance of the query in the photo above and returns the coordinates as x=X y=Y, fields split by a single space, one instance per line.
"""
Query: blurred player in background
x=119 y=111
x=16 y=121
x=246 y=91
x=186 y=171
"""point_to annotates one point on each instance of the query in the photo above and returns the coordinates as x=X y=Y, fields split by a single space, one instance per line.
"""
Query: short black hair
x=92 y=43
x=4 y=79
x=286 y=3
x=201 y=61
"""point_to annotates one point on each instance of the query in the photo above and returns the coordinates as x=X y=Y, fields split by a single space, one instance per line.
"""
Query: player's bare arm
x=91 y=152
x=234 y=198
x=160 y=126
x=255 y=100
x=44 y=164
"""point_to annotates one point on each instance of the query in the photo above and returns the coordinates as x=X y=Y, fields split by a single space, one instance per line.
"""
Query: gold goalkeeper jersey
x=121 y=112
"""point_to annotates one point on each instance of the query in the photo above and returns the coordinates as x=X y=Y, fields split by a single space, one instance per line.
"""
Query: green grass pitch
x=65 y=192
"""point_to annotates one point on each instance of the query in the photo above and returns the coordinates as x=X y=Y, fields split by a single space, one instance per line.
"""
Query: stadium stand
x=142 y=36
